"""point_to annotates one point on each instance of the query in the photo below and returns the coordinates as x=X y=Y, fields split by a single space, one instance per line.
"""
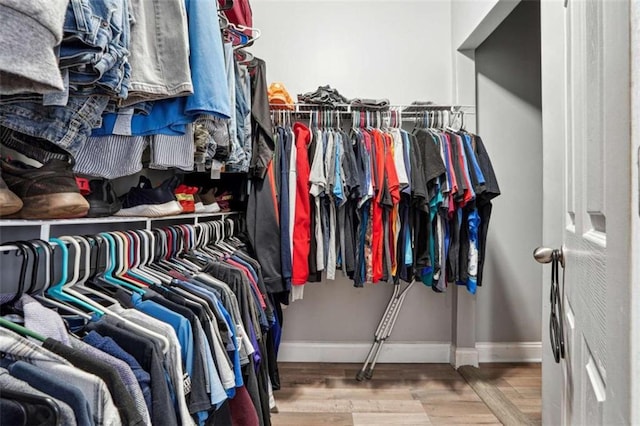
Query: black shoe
x=47 y=192
x=146 y=201
x=102 y=199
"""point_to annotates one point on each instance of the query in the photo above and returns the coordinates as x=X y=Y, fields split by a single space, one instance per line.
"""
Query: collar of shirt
x=17 y=347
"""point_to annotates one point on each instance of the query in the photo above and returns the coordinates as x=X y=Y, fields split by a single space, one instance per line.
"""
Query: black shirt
x=148 y=355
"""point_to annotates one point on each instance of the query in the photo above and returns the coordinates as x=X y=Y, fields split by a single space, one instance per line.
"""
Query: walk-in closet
x=318 y=212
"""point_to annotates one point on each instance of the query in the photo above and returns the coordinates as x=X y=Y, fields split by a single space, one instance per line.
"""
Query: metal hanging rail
x=348 y=109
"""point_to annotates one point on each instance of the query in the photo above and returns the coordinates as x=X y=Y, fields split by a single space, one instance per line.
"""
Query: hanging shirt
x=292 y=185
x=302 y=237
x=317 y=185
x=399 y=158
x=284 y=145
x=94 y=389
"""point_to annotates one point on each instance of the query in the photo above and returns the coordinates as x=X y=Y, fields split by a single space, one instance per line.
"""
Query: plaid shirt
x=94 y=389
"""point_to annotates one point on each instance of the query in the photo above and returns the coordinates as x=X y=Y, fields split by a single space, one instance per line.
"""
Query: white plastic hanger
x=150 y=243
x=142 y=258
x=130 y=325
x=81 y=283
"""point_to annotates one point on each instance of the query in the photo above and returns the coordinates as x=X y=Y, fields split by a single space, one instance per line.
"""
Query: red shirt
x=302 y=221
x=377 y=238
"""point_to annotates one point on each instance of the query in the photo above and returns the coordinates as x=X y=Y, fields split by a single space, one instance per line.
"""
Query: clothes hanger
x=40 y=294
x=159 y=241
x=134 y=268
x=208 y=248
x=451 y=127
x=38 y=245
x=202 y=237
x=130 y=255
x=115 y=254
x=35 y=403
x=97 y=281
x=23 y=331
x=255 y=34
x=228 y=4
x=80 y=284
x=35 y=265
x=168 y=246
x=187 y=252
x=231 y=224
x=101 y=310
x=63 y=289
x=223 y=20
x=220 y=243
x=21 y=251
x=150 y=244
x=33 y=247
x=243 y=57
x=234 y=33
x=180 y=245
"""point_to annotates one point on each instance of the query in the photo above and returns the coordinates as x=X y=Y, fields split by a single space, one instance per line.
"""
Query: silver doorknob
x=546 y=254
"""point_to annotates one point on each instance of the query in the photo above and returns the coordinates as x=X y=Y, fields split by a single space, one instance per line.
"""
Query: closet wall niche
x=398 y=50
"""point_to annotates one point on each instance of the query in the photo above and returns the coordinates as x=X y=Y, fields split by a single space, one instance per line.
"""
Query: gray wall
x=510 y=123
x=399 y=50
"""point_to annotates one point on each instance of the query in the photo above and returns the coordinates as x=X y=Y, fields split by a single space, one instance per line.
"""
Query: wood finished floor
x=399 y=394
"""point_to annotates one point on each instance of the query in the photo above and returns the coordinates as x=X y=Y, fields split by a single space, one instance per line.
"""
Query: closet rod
x=348 y=108
x=11 y=247
x=404 y=114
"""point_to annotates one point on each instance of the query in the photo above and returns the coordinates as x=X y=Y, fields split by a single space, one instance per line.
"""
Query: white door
x=587 y=208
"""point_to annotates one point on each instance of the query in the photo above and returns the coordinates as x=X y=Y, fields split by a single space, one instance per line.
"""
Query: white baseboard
x=357 y=352
x=509 y=351
x=463 y=356
x=411 y=352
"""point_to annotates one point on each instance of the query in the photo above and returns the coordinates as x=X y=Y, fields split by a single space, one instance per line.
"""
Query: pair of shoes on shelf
x=146 y=201
x=207 y=201
x=224 y=201
x=197 y=200
x=102 y=198
x=186 y=196
x=167 y=199
x=42 y=186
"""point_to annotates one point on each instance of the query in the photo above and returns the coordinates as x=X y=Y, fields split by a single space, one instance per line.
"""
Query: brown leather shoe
x=10 y=203
x=47 y=192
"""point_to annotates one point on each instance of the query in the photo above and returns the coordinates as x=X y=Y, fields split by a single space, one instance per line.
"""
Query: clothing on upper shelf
x=39 y=26
x=137 y=74
x=385 y=204
x=323 y=95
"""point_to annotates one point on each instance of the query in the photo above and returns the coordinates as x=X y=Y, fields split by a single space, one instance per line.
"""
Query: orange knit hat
x=278 y=95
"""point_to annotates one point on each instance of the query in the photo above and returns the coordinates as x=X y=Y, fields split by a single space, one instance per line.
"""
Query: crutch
x=385 y=326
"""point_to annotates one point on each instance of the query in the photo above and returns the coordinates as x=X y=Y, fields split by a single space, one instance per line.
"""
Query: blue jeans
x=95 y=46
x=67 y=126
